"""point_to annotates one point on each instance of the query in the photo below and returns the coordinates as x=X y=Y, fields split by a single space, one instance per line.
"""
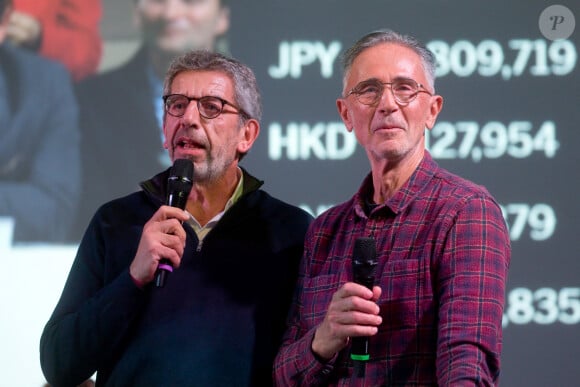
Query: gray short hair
x=246 y=92
x=388 y=36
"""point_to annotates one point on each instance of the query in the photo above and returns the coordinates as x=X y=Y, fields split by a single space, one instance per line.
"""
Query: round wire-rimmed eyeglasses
x=404 y=90
x=208 y=106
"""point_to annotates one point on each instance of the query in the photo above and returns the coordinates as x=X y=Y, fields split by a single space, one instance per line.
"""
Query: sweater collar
x=156 y=187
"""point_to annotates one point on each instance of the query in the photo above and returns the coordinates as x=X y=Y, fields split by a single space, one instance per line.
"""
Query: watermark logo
x=557 y=22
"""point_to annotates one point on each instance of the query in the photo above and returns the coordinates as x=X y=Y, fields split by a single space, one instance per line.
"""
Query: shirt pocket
x=403 y=300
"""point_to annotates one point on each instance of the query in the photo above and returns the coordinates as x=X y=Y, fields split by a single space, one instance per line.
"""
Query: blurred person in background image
x=67 y=31
x=122 y=110
x=39 y=142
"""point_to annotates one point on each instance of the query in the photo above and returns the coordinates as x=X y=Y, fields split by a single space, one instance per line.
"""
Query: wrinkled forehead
x=385 y=62
x=214 y=82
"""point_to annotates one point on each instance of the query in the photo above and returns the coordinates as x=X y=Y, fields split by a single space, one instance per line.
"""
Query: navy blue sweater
x=218 y=320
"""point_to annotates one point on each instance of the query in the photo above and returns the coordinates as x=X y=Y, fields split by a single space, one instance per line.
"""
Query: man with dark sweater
x=219 y=317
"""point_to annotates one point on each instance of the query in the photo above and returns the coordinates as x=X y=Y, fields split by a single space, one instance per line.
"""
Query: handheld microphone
x=364 y=261
x=179 y=186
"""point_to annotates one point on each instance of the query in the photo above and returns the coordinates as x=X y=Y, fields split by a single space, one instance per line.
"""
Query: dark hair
x=246 y=93
x=388 y=36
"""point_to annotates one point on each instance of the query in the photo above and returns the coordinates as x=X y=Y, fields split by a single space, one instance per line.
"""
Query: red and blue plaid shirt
x=444 y=251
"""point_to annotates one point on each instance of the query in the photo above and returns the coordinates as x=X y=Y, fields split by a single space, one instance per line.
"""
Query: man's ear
x=223 y=22
x=249 y=133
x=344 y=113
x=434 y=109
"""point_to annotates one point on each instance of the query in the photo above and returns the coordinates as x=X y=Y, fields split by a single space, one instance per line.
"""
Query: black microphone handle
x=359 y=351
x=363 y=264
x=165 y=266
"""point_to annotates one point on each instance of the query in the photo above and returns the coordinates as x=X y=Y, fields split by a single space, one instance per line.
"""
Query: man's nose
x=387 y=101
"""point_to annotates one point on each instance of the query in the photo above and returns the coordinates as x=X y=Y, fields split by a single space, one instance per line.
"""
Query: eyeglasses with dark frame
x=209 y=106
x=404 y=90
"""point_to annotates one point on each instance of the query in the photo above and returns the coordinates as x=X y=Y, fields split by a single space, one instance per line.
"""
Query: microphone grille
x=179 y=183
x=365 y=249
x=364 y=261
x=182 y=169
